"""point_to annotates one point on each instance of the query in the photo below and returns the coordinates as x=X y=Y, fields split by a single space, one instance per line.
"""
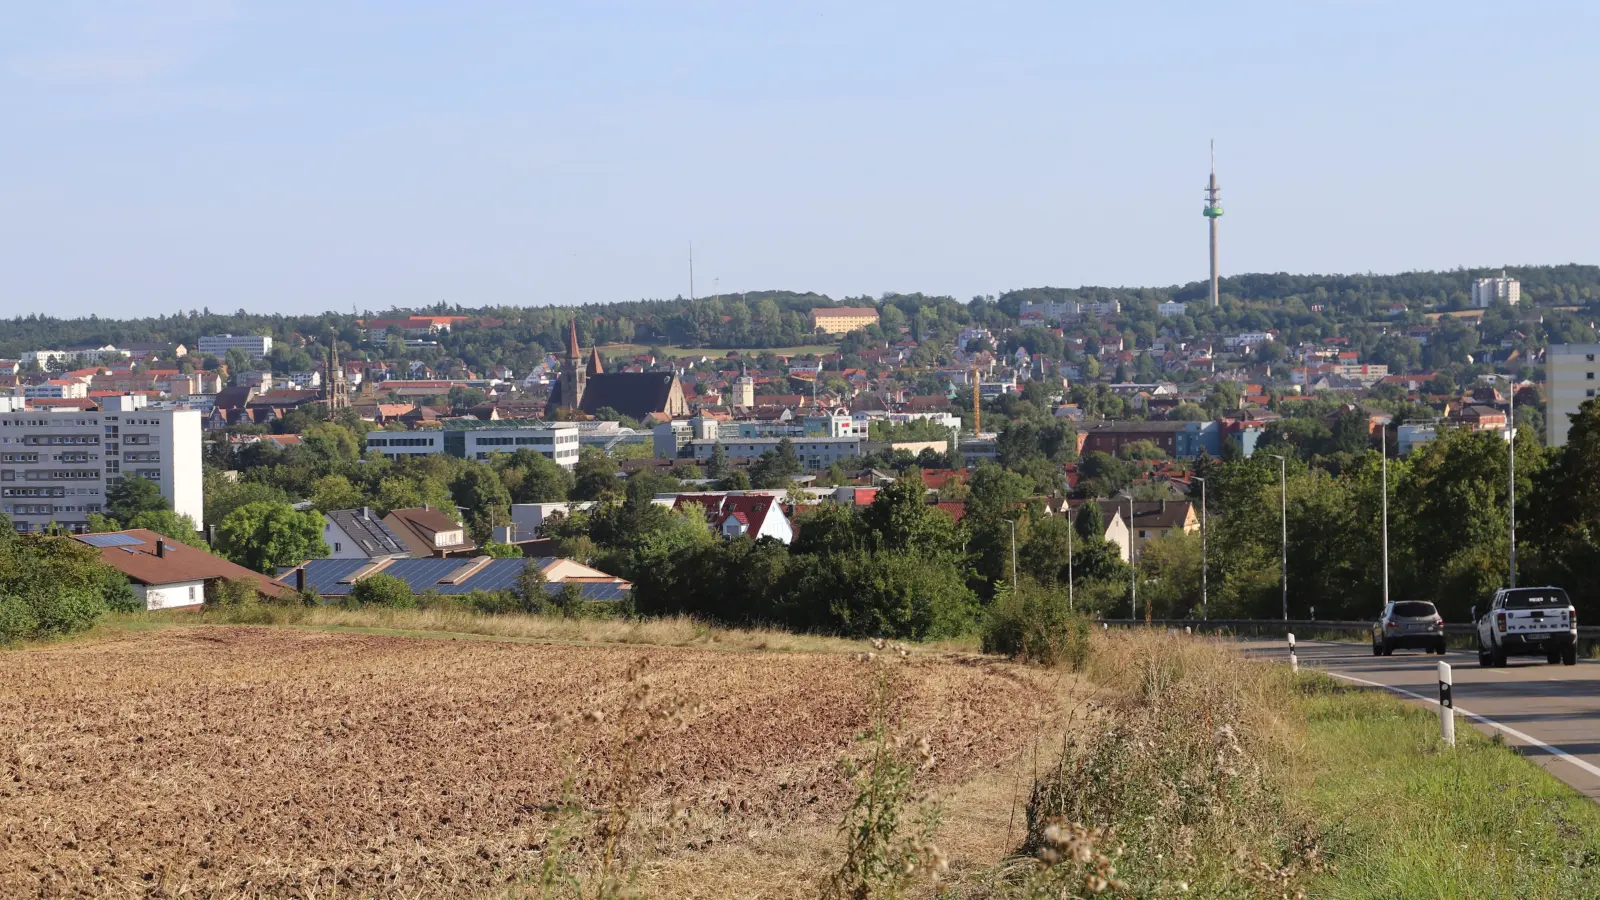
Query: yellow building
x=841 y=319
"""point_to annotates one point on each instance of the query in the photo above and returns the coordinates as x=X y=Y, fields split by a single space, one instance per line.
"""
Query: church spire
x=573 y=353
x=596 y=366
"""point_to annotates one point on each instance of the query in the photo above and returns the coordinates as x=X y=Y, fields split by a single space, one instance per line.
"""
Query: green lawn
x=1405 y=816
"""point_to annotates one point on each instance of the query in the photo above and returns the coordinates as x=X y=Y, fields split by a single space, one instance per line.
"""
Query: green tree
x=717 y=465
x=487 y=501
x=265 y=536
x=331 y=492
x=498 y=550
x=531 y=477
x=596 y=477
x=51 y=586
x=774 y=468
x=382 y=589
x=130 y=495
x=167 y=523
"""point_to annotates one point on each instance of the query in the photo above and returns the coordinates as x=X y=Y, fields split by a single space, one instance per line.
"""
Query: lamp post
x=1013 y=556
x=1071 y=527
x=1511 y=382
x=1202 y=543
x=1283 y=501
x=1383 y=445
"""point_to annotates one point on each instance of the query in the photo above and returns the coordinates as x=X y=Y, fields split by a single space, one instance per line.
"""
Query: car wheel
x=1376 y=650
x=1553 y=657
x=1440 y=649
x=1497 y=657
x=1387 y=650
x=1569 y=656
x=1483 y=655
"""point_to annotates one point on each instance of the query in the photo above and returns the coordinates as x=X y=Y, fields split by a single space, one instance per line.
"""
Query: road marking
x=1525 y=738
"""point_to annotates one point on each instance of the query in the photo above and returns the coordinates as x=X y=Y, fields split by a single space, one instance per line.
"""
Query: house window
x=1589 y=375
x=336 y=547
x=191 y=593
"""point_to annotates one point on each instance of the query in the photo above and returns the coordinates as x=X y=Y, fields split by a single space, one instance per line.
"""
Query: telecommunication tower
x=1213 y=212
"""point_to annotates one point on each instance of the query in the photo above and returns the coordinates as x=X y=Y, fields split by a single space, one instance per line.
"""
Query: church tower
x=574 y=374
x=335 y=389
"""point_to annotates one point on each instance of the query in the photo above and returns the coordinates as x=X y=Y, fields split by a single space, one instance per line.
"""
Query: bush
x=118 y=593
x=383 y=589
x=1033 y=623
x=232 y=593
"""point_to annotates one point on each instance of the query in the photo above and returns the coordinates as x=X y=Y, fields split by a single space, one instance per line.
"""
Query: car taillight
x=1500 y=621
x=1388 y=623
x=1438 y=621
x=1572 y=618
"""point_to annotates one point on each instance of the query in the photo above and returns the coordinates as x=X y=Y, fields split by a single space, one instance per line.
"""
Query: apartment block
x=556 y=441
x=1571 y=380
x=1488 y=291
x=815 y=453
x=842 y=319
x=218 y=345
x=55 y=467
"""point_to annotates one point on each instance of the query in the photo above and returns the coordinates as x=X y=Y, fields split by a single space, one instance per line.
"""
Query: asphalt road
x=1551 y=712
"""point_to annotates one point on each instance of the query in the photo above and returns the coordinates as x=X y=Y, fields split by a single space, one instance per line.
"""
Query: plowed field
x=278 y=762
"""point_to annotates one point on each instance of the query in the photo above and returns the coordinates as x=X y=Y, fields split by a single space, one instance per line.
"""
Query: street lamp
x=1013 y=556
x=1283 y=501
x=1383 y=444
x=1511 y=385
x=1202 y=543
x=1071 y=527
x=1133 y=568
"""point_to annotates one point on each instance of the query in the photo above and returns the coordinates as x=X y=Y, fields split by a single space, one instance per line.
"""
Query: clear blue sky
x=301 y=156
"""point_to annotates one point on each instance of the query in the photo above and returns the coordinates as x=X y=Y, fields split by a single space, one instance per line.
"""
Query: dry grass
x=676 y=631
x=288 y=762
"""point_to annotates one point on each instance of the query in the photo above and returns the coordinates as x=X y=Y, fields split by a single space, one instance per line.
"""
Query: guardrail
x=1303 y=628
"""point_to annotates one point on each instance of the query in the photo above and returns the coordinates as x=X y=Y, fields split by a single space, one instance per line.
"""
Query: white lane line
x=1525 y=738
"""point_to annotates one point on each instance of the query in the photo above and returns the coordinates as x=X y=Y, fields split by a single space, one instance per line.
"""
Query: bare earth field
x=231 y=761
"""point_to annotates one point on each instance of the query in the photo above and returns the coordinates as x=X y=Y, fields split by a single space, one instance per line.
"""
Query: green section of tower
x=1211 y=212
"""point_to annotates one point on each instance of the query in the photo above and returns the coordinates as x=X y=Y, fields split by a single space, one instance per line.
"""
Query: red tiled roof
x=181 y=563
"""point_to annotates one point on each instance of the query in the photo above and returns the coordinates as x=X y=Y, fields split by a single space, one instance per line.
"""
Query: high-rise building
x=55 y=467
x=1572 y=376
x=1488 y=291
x=218 y=345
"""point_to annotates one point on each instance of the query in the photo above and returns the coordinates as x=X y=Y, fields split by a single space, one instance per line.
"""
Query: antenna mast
x=1212 y=212
x=691 y=270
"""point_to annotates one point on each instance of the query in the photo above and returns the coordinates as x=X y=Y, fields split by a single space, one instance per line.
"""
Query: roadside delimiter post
x=1447 y=714
x=1294 y=661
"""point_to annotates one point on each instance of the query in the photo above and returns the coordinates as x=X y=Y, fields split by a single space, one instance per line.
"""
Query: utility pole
x=1283 y=499
x=691 y=270
x=1512 y=506
x=1384 y=445
x=1133 y=568
x=1202 y=544
x=1013 y=556
x=1071 y=527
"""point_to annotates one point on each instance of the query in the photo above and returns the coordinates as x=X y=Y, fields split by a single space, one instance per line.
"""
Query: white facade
x=555 y=441
x=1488 y=291
x=527 y=517
x=218 y=345
x=56 y=389
x=1170 y=309
x=1572 y=376
x=814 y=453
x=1052 y=312
x=44 y=358
x=744 y=391
x=1102 y=310
x=170 y=596
x=55 y=466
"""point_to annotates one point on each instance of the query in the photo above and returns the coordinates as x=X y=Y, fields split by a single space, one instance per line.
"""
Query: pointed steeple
x=573 y=352
x=596 y=367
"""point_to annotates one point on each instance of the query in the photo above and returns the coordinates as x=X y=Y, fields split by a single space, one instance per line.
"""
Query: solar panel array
x=110 y=540
x=324 y=576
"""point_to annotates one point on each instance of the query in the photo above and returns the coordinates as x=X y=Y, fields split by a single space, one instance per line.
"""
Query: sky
x=296 y=156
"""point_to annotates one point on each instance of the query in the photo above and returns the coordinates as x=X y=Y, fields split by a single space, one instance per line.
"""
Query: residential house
x=166 y=574
x=429 y=532
x=360 y=534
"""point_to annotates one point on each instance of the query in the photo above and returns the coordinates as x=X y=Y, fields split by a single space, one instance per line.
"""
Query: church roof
x=633 y=394
x=572 y=342
x=596 y=367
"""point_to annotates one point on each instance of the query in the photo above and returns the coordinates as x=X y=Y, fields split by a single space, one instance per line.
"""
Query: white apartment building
x=1051 y=312
x=1571 y=380
x=1488 y=291
x=90 y=355
x=1169 y=309
x=556 y=441
x=218 y=345
x=56 y=389
x=55 y=467
x=816 y=453
x=1102 y=310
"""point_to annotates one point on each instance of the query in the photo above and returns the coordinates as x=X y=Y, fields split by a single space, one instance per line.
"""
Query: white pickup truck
x=1536 y=621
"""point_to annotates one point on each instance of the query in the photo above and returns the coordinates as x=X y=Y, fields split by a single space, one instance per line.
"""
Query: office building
x=1571 y=381
x=557 y=441
x=1488 y=291
x=55 y=467
x=218 y=345
x=815 y=454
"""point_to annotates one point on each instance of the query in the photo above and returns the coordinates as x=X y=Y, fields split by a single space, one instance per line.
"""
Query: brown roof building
x=165 y=573
x=429 y=532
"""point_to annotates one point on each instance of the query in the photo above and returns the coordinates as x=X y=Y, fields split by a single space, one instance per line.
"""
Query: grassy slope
x=1404 y=816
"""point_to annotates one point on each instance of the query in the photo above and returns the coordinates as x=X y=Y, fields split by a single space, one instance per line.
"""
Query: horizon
x=292 y=158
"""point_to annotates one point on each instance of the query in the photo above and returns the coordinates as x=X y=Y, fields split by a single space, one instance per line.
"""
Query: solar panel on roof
x=110 y=540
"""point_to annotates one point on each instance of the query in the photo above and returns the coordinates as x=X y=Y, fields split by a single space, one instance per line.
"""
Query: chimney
x=300 y=579
x=161 y=549
x=366 y=512
x=1163 y=506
